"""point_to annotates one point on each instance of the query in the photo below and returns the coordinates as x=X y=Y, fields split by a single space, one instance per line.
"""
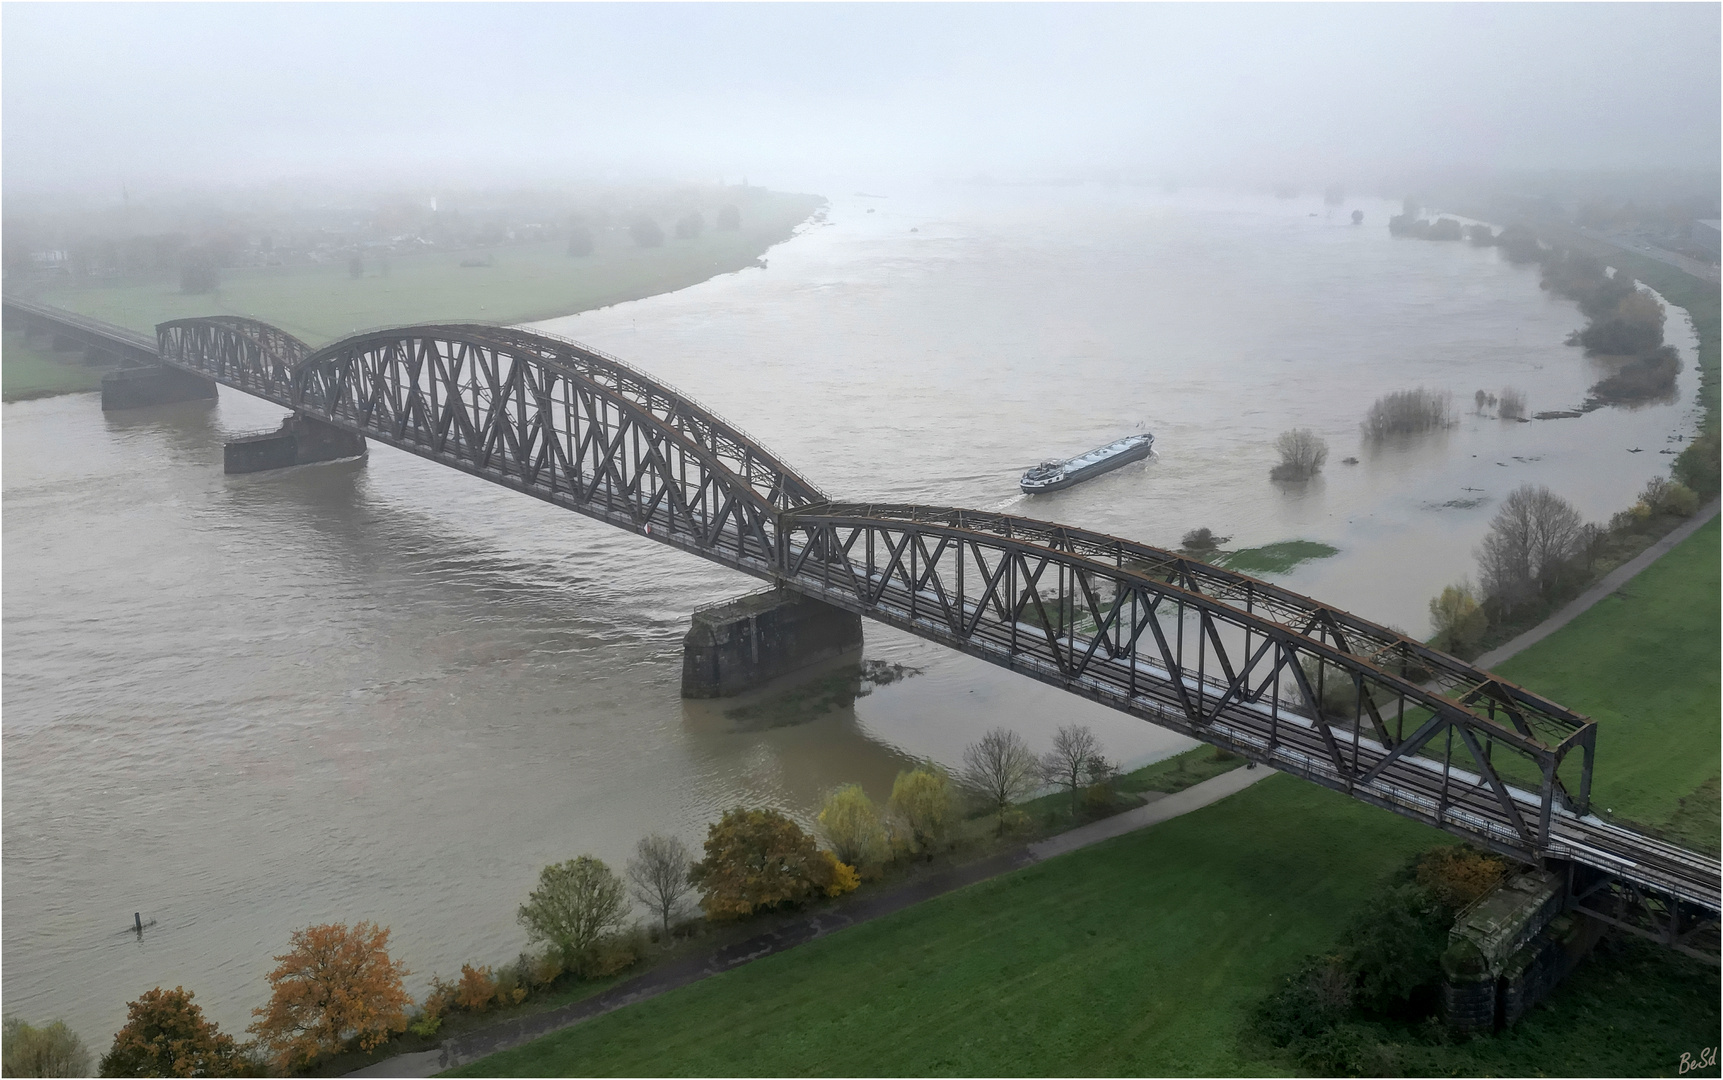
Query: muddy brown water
x=241 y=705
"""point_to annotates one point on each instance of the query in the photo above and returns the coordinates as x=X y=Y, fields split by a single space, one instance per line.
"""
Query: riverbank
x=32 y=369
x=1147 y=953
x=506 y=284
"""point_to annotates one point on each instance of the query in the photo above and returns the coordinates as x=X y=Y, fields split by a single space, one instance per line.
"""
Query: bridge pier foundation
x=138 y=387
x=300 y=440
x=743 y=643
x=1508 y=950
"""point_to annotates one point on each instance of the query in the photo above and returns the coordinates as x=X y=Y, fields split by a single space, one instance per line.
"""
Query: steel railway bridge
x=1239 y=663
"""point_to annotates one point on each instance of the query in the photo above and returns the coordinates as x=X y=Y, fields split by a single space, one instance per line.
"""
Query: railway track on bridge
x=1237 y=662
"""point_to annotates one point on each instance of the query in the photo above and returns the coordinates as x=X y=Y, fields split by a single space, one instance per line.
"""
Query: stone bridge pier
x=744 y=643
x=300 y=440
x=156 y=384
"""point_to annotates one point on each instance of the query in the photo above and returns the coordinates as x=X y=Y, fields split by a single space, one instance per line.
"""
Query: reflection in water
x=392 y=691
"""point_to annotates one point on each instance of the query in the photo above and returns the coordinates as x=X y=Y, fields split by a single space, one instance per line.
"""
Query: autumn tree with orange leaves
x=336 y=986
x=166 y=1035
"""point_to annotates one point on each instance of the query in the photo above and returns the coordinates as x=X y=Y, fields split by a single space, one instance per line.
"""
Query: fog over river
x=392 y=691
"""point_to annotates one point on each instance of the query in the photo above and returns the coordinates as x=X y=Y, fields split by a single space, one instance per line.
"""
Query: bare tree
x=1001 y=768
x=1512 y=404
x=658 y=875
x=1068 y=764
x=1531 y=537
x=1302 y=454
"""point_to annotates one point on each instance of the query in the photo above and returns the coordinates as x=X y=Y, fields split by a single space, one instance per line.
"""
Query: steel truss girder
x=1222 y=657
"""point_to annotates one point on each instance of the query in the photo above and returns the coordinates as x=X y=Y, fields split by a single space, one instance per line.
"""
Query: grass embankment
x=1643 y=664
x=1147 y=954
x=1144 y=955
x=32 y=369
x=521 y=283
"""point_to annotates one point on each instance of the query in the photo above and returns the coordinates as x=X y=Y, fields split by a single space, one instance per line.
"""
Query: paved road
x=1651 y=251
x=1612 y=581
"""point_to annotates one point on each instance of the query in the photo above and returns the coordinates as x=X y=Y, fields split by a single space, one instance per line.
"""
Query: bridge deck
x=1228 y=659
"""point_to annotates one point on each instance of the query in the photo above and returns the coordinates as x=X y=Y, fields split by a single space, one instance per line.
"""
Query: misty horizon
x=105 y=98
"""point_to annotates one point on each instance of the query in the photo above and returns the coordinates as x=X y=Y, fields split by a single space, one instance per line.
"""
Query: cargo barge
x=1054 y=475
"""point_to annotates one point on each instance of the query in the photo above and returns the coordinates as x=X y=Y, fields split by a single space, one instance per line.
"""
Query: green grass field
x=1643 y=664
x=1146 y=954
x=32 y=370
x=523 y=283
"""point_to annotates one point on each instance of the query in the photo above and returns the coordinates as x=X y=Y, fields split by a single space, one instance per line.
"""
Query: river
x=391 y=691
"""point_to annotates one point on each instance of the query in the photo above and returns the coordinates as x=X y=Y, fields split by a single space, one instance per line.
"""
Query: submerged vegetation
x=1280 y=558
x=1409 y=412
x=1302 y=454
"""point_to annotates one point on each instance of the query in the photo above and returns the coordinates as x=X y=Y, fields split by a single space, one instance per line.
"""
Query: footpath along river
x=242 y=705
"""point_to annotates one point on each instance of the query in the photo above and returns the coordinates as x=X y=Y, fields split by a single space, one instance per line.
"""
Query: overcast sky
x=96 y=95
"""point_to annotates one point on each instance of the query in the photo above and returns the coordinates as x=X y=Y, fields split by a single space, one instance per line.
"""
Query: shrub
x=1394 y=945
x=1667 y=497
x=1302 y=455
x=1480 y=235
x=166 y=1035
x=1646 y=378
x=1444 y=229
x=1458 y=875
x=336 y=985
x=850 y=824
x=921 y=804
x=1308 y=1002
x=1698 y=466
x=843 y=877
x=614 y=953
x=1633 y=326
x=575 y=904
x=543 y=969
x=1458 y=619
x=1202 y=543
x=50 y=1050
x=1408 y=412
x=1519 y=244
x=758 y=859
x=476 y=989
x=1512 y=404
x=1334 y=685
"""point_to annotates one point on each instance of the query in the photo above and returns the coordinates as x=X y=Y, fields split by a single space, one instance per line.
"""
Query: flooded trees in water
x=1302 y=455
x=1512 y=404
x=1409 y=412
x=1530 y=540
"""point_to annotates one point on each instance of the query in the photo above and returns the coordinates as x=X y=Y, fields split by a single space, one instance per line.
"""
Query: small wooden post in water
x=138 y=922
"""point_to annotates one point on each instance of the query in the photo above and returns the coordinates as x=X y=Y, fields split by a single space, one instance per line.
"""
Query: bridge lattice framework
x=1233 y=661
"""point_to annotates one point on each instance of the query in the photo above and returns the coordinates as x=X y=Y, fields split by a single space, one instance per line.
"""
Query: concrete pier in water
x=139 y=387
x=299 y=441
x=743 y=643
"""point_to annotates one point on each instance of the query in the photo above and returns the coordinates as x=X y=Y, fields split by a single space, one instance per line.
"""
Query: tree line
x=337 y=989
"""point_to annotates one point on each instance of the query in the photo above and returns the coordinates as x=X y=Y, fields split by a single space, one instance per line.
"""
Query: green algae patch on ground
x=1278 y=558
x=1642 y=663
